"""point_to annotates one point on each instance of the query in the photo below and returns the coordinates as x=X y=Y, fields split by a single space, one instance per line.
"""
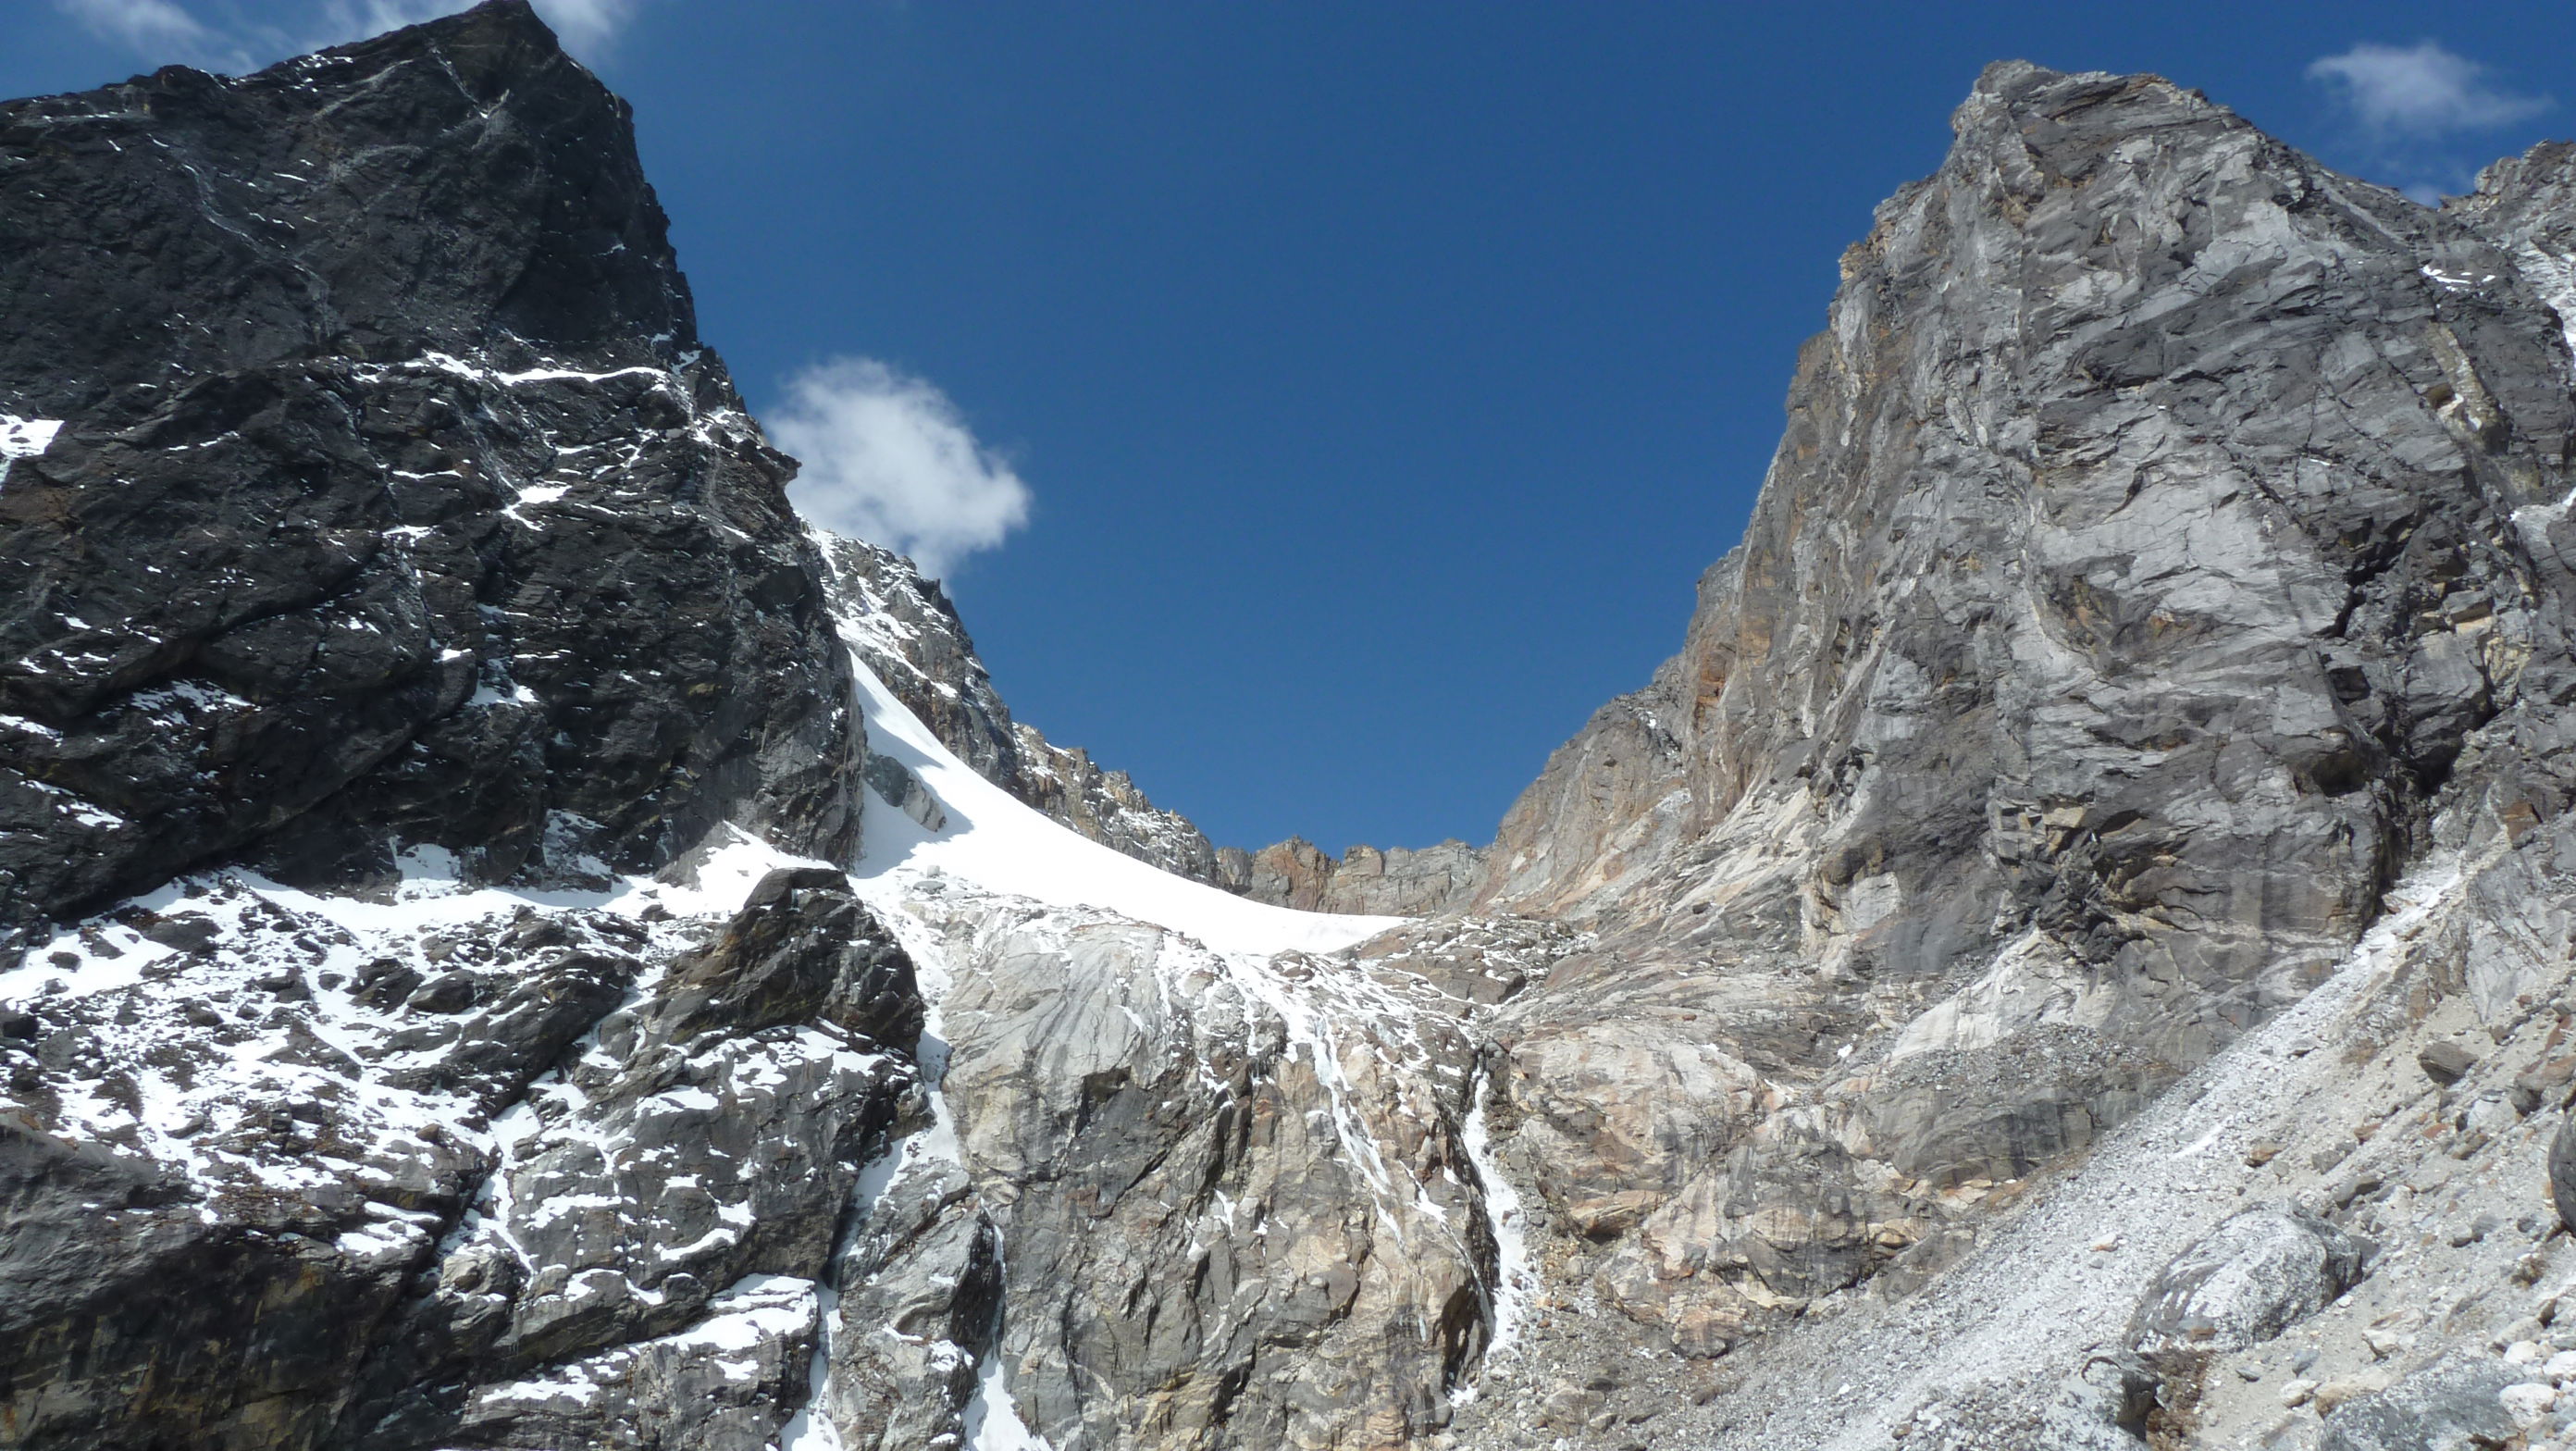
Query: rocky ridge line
x=911 y=637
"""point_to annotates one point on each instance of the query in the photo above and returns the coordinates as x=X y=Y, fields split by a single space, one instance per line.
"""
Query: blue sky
x=1319 y=409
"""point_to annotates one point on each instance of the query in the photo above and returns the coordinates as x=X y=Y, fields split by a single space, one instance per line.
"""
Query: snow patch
x=992 y=1422
x=997 y=842
x=26 y=437
x=1515 y=1286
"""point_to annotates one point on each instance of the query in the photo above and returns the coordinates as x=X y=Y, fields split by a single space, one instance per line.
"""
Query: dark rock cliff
x=374 y=520
x=387 y=491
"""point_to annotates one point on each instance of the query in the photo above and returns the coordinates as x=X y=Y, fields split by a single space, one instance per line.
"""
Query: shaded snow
x=992 y=1422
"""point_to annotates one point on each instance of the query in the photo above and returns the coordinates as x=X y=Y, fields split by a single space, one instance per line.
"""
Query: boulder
x=2454 y=1404
x=2251 y=1278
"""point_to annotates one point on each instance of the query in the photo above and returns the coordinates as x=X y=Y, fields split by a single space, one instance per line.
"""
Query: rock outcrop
x=1400 y=881
x=2249 y=1280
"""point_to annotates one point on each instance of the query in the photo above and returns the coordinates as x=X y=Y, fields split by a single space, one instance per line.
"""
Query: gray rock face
x=613 y=1246
x=346 y=530
x=2452 y=1405
x=1233 y=1199
x=2253 y=1277
x=1364 y=881
x=2159 y=520
x=921 y=1298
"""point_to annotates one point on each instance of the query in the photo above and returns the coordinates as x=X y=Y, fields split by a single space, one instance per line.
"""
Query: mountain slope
x=2164 y=556
x=452 y=999
x=514 y=942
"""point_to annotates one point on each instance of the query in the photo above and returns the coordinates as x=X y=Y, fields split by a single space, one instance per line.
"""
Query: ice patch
x=1515 y=1286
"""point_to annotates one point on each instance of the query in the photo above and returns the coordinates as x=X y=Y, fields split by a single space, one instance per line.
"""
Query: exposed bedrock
x=447 y=1003
x=1233 y=1202
x=2163 y=526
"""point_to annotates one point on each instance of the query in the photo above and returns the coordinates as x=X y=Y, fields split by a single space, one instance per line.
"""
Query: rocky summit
x=508 y=938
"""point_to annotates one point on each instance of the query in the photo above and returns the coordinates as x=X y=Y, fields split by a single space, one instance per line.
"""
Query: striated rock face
x=326 y=522
x=2164 y=526
x=1231 y=1193
x=1400 y=882
x=909 y=634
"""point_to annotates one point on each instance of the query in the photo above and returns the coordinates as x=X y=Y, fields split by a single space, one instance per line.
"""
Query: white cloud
x=138 y=23
x=163 y=31
x=890 y=460
x=160 y=31
x=2421 y=91
x=587 y=23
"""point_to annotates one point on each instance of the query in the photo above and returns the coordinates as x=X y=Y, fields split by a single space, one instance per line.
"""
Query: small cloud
x=2421 y=91
x=158 y=30
x=342 y=21
x=585 y=24
x=889 y=459
x=2407 y=102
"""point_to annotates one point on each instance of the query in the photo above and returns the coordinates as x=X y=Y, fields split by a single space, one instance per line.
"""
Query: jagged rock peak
x=366 y=483
x=284 y=213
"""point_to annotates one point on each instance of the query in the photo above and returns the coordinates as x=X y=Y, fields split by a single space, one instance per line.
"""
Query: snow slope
x=994 y=841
